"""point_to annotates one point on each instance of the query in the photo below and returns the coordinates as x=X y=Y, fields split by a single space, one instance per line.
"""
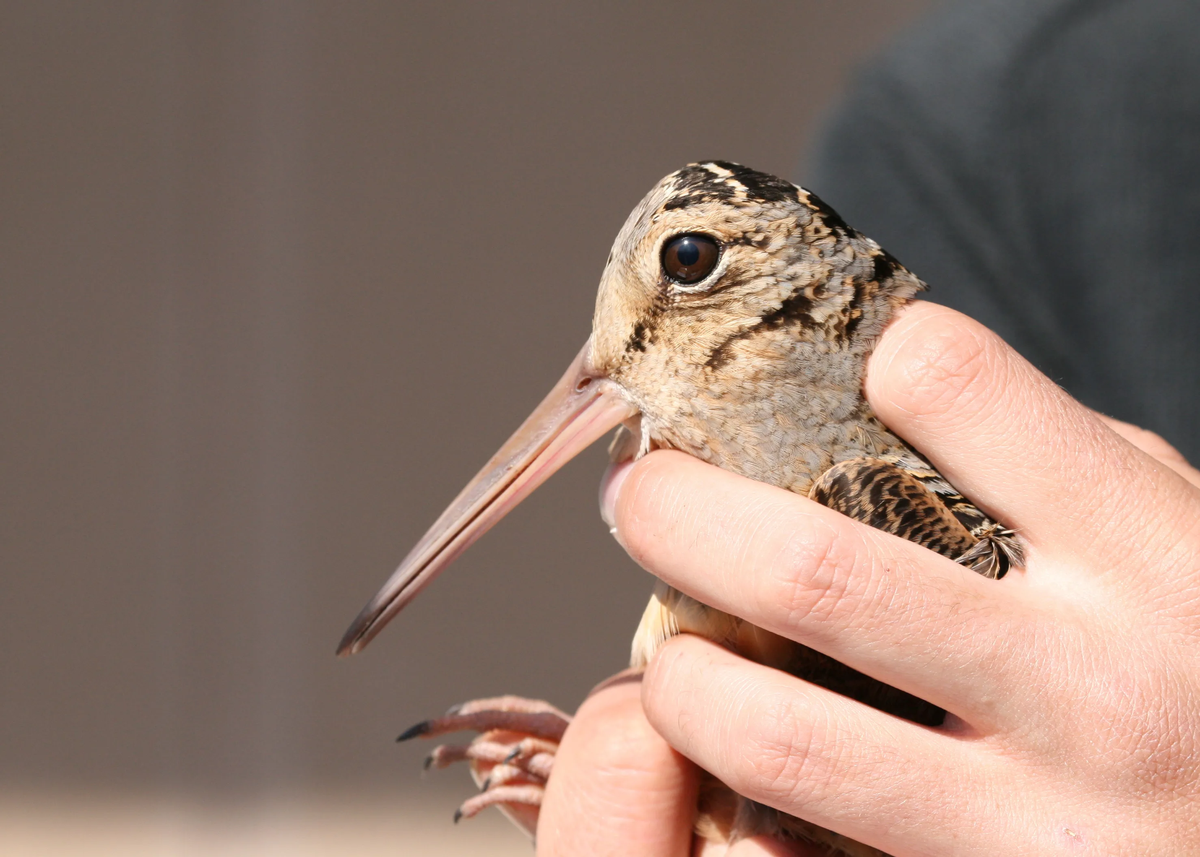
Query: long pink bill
x=581 y=408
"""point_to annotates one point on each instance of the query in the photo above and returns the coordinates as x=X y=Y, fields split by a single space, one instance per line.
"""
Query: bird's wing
x=903 y=497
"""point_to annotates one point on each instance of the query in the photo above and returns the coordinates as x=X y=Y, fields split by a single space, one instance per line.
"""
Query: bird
x=735 y=316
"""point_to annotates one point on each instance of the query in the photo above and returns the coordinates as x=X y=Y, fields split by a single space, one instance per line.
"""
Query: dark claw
x=413 y=731
x=428 y=762
x=512 y=755
x=457 y=816
x=486 y=784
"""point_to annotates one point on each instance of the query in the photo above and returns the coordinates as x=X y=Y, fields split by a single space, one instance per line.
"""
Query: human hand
x=1071 y=686
x=619 y=788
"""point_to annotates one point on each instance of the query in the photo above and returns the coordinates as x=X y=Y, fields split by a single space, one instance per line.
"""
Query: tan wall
x=276 y=278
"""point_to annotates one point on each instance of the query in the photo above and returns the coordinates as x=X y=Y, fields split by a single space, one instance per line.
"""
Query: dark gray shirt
x=1037 y=162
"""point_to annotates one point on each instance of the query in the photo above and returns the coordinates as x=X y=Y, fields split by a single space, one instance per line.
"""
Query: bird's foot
x=510 y=759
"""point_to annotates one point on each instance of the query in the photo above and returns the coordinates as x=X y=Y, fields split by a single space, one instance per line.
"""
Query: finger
x=817 y=755
x=617 y=786
x=708 y=848
x=1154 y=446
x=882 y=605
x=1013 y=441
x=765 y=846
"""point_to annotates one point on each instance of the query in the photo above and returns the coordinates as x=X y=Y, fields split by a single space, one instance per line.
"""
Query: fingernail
x=610 y=489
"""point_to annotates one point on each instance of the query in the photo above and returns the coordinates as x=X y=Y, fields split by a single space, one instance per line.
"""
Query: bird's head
x=727 y=278
x=712 y=282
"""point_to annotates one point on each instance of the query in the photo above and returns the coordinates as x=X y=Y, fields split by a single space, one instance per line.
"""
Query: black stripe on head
x=643 y=329
x=637 y=341
x=831 y=218
x=854 y=312
x=794 y=310
x=695 y=184
x=761 y=187
x=698 y=183
x=885 y=266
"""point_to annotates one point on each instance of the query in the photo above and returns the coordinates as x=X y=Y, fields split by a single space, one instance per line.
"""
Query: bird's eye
x=688 y=259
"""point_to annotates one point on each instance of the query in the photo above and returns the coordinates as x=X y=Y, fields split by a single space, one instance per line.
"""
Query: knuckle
x=1158 y=736
x=785 y=762
x=812 y=583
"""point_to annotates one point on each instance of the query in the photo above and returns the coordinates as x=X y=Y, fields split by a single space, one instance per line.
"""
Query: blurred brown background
x=276 y=279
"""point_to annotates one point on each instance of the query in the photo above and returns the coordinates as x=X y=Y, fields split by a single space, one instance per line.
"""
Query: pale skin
x=1073 y=686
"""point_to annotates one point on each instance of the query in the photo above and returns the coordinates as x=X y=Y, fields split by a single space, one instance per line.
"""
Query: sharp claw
x=458 y=814
x=428 y=763
x=413 y=731
x=514 y=754
x=454 y=709
x=485 y=785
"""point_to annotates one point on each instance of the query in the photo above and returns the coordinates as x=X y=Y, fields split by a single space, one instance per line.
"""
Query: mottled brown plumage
x=734 y=321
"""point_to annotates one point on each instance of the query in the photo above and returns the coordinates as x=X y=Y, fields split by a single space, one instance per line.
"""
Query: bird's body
x=734 y=321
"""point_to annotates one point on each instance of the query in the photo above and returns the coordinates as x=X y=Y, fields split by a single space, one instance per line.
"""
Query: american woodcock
x=735 y=317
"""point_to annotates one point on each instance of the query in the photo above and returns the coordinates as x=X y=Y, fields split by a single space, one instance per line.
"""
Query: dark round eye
x=689 y=259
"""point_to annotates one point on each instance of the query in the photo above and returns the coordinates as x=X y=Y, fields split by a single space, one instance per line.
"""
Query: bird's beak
x=581 y=408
